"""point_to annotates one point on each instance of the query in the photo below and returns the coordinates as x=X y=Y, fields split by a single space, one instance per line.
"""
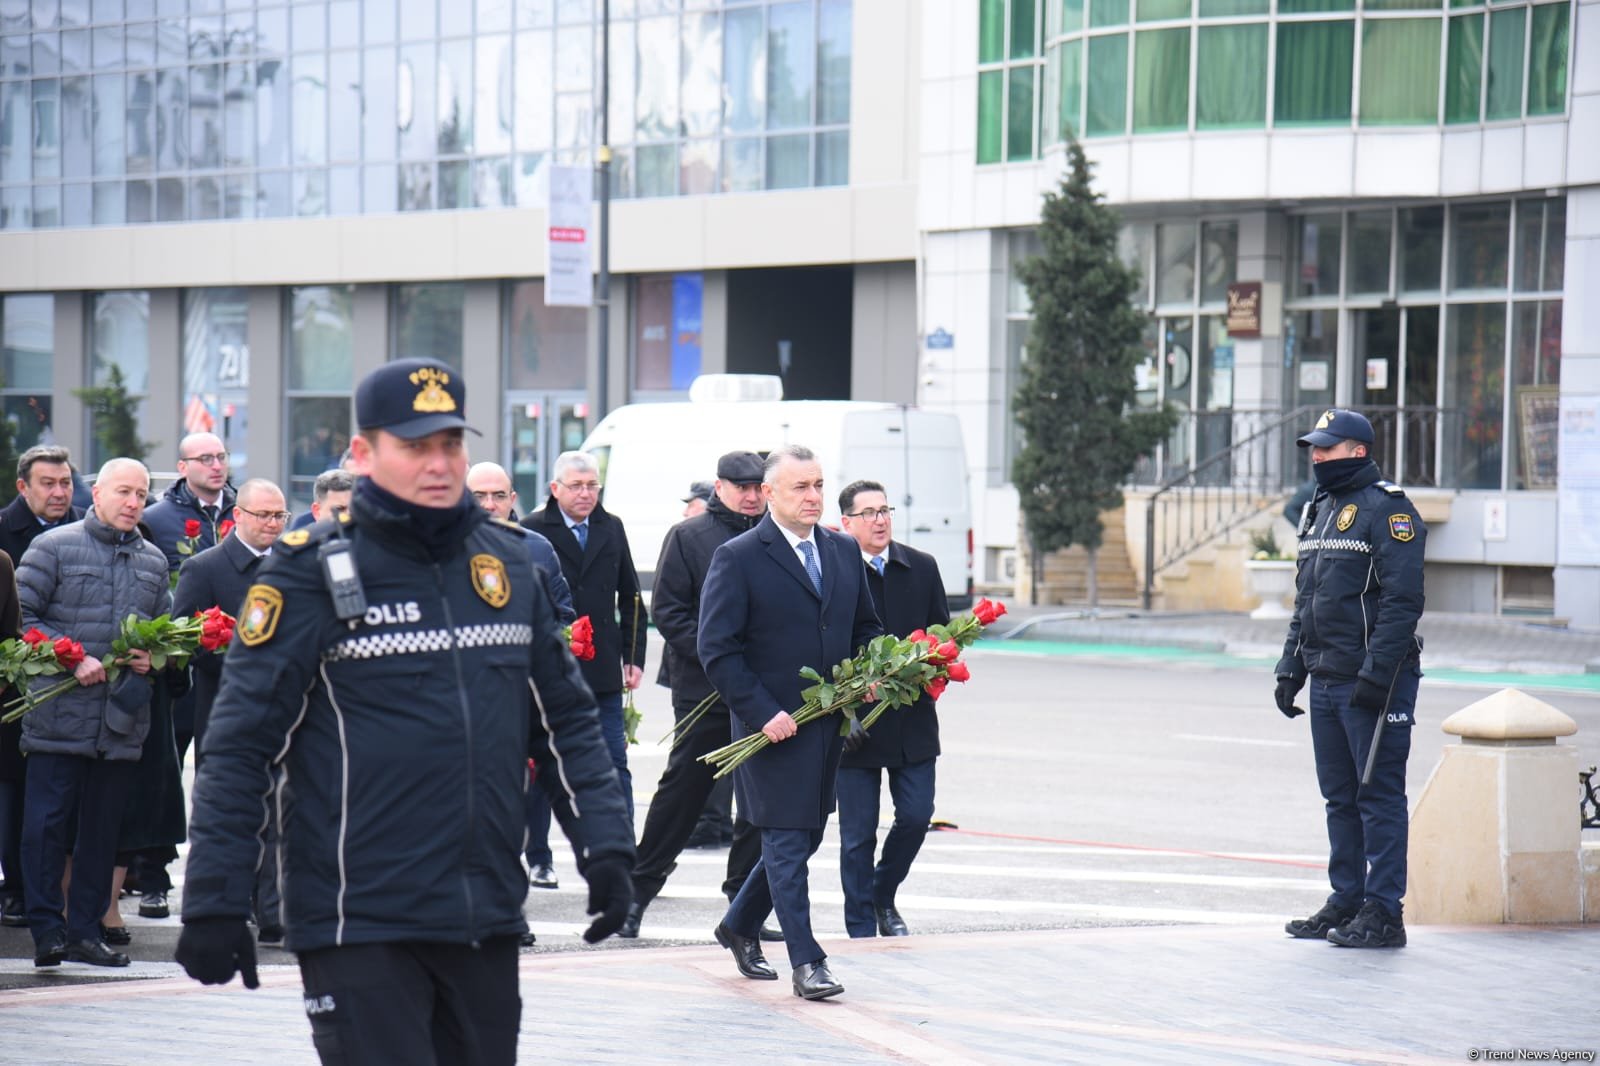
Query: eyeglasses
x=268 y=516
x=208 y=459
x=871 y=515
x=497 y=497
x=580 y=486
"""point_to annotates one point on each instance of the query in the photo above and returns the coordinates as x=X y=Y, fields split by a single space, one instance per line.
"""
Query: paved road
x=1156 y=815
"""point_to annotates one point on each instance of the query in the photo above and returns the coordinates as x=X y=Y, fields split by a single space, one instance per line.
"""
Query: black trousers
x=414 y=1004
x=74 y=807
x=675 y=809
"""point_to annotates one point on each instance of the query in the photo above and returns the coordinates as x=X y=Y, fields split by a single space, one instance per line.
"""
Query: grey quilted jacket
x=81 y=581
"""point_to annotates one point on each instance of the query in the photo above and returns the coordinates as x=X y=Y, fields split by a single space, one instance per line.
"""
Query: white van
x=650 y=452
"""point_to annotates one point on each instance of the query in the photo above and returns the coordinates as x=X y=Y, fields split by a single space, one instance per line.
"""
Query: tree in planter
x=116 y=426
x=1074 y=401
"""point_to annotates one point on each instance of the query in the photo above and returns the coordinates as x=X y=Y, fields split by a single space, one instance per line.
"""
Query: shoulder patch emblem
x=1400 y=527
x=1347 y=517
x=294 y=538
x=263 y=606
x=489 y=580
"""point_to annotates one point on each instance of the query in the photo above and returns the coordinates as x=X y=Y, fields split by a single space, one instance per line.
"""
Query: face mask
x=1332 y=473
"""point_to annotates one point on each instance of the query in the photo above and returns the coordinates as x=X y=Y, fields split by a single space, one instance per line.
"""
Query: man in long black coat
x=786 y=595
x=909 y=595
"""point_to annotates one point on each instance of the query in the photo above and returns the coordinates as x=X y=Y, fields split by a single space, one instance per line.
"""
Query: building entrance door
x=1394 y=370
x=539 y=426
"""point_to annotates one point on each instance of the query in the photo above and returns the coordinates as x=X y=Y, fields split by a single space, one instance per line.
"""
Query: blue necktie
x=812 y=570
x=877 y=564
x=581 y=531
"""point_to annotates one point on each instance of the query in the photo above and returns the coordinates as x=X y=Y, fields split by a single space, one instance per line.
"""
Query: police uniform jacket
x=167 y=516
x=909 y=596
x=1358 y=584
x=403 y=739
x=761 y=620
x=675 y=597
x=604 y=585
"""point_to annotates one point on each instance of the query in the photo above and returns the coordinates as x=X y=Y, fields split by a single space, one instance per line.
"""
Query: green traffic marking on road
x=1589 y=683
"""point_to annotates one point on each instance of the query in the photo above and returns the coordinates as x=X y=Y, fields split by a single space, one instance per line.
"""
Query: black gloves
x=610 y=892
x=212 y=950
x=1368 y=695
x=1288 y=688
x=854 y=739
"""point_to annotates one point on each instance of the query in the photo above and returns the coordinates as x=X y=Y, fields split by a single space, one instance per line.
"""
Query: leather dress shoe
x=269 y=934
x=543 y=876
x=52 y=949
x=95 y=953
x=154 y=905
x=115 y=935
x=746 y=954
x=890 y=923
x=14 y=913
x=813 y=981
x=629 y=930
x=771 y=934
x=527 y=940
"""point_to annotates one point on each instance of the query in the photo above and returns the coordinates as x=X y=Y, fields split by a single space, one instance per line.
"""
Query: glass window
x=667 y=310
x=216 y=370
x=344 y=107
x=27 y=350
x=46 y=128
x=1107 y=89
x=1229 y=8
x=1421 y=248
x=991 y=31
x=428 y=321
x=1310 y=352
x=1463 y=82
x=1535 y=392
x=1136 y=246
x=1108 y=13
x=1541 y=244
x=1473 y=401
x=1023 y=25
x=492 y=102
x=1314 y=66
x=1072 y=15
x=701 y=91
x=16 y=133
x=1069 y=57
x=657 y=169
x=310 y=109
x=790 y=48
x=272 y=114
x=1317 y=255
x=1547 y=60
x=743 y=59
x=1305 y=7
x=741 y=164
x=1175 y=263
x=239 y=114
x=991 y=103
x=1214 y=381
x=120 y=337
x=319 y=434
x=1019 y=113
x=658 y=78
x=534 y=127
x=1230 y=77
x=1367 y=267
x=1399 y=71
x=417 y=81
x=455 y=98
x=1505 y=63
x=1155 y=10
x=789 y=161
x=1161 y=80
x=321 y=339
x=833 y=62
x=833 y=158
x=548 y=345
x=1480 y=238
x=1219 y=260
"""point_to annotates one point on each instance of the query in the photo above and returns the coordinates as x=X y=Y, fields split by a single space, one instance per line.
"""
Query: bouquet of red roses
x=580 y=638
x=889 y=672
x=33 y=655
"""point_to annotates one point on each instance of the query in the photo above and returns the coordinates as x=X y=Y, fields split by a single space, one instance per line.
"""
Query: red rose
x=69 y=653
x=935 y=688
x=999 y=608
x=35 y=638
x=226 y=528
x=958 y=672
x=948 y=651
x=583 y=630
x=916 y=635
x=191 y=528
x=582 y=649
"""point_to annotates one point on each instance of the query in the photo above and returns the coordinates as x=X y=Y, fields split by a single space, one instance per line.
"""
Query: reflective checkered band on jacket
x=412 y=642
x=1336 y=544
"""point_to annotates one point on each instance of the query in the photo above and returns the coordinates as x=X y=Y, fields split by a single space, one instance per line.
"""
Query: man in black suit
x=786 y=595
x=44 y=501
x=909 y=595
x=593 y=548
x=220 y=577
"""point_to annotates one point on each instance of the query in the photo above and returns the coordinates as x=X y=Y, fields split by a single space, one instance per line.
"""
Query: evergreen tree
x=1074 y=402
x=116 y=425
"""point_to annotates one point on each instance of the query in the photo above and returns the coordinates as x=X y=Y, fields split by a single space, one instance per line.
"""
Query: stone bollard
x=1495 y=835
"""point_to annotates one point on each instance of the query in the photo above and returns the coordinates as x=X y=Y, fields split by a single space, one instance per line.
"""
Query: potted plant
x=1271 y=572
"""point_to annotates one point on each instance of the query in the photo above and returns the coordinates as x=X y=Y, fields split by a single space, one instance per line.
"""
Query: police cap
x=698 y=490
x=1336 y=425
x=412 y=398
x=741 y=468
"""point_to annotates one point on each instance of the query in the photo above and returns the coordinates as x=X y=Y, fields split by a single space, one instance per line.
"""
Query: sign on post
x=568 y=276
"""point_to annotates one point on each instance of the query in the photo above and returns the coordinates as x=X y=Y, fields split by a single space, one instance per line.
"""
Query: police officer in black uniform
x=393 y=670
x=1354 y=633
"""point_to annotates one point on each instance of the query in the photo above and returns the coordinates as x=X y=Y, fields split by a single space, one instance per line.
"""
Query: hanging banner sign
x=568 y=276
x=1244 y=309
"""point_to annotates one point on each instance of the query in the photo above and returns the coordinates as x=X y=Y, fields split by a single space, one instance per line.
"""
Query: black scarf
x=1336 y=476
x=439 y=530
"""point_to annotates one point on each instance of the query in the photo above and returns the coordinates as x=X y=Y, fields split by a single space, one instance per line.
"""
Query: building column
x=162 y=417
x=714 y=322
x=70 y=370
x=482 y=360
x=1577 y=574
x=265 y=393
x=369 y=312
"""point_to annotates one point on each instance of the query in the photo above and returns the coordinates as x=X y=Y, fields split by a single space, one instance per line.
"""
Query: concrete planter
x=1273 y=581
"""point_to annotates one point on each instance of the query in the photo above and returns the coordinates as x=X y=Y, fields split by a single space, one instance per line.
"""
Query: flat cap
x=698 y=490
x=741 y=468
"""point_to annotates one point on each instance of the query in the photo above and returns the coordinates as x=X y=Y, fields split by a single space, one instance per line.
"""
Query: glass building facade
x=120 y=112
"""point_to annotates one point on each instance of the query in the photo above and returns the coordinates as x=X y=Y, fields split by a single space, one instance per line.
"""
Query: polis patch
x=263 y=606
x=1400 y=527
x=1347 y=517
x=489 y=580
